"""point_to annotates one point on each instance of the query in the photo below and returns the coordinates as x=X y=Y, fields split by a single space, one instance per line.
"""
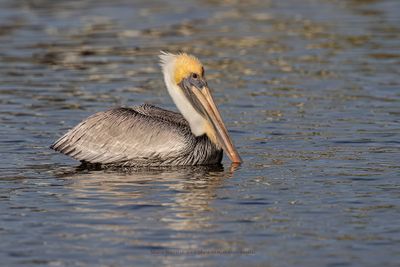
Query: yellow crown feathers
x=185 y=65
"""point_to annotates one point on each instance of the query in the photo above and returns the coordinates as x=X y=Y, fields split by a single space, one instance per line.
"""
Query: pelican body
x=150 y=136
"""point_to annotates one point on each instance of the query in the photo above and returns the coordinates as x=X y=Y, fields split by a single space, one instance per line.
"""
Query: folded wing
x=126 y=135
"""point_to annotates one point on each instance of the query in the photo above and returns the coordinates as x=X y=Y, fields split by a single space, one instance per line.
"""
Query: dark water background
x=309 y=89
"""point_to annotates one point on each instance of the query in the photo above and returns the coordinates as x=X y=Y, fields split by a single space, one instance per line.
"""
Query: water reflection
x=183 y=192
x=310 y=90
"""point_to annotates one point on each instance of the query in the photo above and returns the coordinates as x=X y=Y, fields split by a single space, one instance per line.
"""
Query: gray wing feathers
x=162 y=114
x=122 y=135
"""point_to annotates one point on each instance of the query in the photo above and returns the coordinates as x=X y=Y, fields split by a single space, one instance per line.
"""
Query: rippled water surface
x=309 y=90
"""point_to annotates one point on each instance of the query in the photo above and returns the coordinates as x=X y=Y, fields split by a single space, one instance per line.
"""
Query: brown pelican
x=150 y=136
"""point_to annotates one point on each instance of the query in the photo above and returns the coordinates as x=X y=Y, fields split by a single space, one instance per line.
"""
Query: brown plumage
x=139 y=136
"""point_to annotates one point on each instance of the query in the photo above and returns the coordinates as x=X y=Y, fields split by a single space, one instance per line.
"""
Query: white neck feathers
x=196 y=121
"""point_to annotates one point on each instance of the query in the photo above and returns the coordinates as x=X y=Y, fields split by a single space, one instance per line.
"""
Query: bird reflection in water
x=180 y=195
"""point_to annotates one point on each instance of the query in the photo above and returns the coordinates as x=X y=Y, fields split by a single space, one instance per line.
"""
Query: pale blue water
x=309 y=89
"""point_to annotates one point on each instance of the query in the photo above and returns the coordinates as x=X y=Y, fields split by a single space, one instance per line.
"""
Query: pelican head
x=185 y=81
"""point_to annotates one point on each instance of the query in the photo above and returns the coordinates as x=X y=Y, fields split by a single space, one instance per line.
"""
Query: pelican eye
x=195 y=76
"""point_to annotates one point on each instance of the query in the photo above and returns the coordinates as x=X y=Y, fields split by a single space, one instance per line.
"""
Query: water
x=308 y=89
